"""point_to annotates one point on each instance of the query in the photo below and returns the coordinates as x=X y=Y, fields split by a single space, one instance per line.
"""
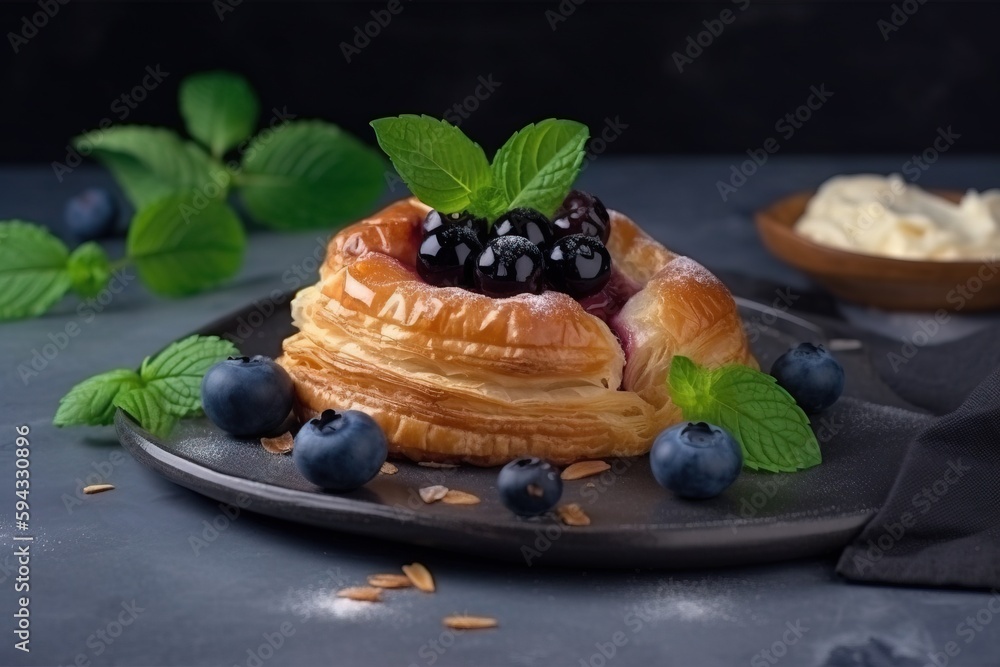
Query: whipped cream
x=878 y=215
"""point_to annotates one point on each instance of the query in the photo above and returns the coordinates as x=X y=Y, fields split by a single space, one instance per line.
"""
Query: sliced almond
x=572 y=515
x=420 y=576
x=280 y=445
x=582 y=469
x=390 y=581
x=435 y=464
x=97 y=488
x=388 y=469
x=432 y=494
x=469 y=622
x=361 y=593
x=454 y=497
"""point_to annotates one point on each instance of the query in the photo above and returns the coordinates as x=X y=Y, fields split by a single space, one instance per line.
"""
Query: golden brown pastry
x=455 y=376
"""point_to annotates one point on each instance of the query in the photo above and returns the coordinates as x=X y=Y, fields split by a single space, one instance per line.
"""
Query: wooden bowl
x=893 y=284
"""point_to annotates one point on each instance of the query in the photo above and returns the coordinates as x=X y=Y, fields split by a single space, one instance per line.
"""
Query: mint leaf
x=92 y=401
x=89 y=269
x=33 y=273
x=150 y=163
x=220 y=109
x=179 y=248
x=309 y=174
x=772 y=430
x=177 y=371
x=439 y=164
x=537 y=166
x=144 y=405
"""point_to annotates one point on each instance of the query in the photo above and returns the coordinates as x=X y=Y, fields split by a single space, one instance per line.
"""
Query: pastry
x=456 y=376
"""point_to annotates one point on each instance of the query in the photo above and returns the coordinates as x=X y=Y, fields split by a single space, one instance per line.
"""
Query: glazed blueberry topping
x=525 y=222
x=247 y=396
x=578 y=265
x=340 y=451
x=811 y=375
x=91 y=214
x=509 y=265
x=436 y=220
x=582 y=213
x=529 y=486
x=695 y=460
x=447 y=255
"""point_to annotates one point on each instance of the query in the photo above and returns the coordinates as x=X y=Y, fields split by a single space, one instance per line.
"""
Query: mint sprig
x=772 y=430
x=167 y=387
x=449 y=172
x=220 y=109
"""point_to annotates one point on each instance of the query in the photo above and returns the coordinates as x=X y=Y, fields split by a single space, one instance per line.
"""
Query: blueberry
x=447 y=256
x=340 y=451
x=436 y=220
x=582 y=213
x=524 y=222
x=695 y=460
x=508 y=266
x=529 y=486
x=578 y=265
x=91 y=214
x=247 y=396
x=811 y=375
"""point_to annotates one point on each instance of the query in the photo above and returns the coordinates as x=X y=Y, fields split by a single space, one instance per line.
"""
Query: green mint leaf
x=89 y=269
x=181 y=245
x=439 y=164
x=150 y=163
x=537 y=166
x=772 y=430
x=92 y=401
x=308 y=174
x=220 y=109
x=33 y=273
x=487 y=203
x=177 y=371
x=145 y=406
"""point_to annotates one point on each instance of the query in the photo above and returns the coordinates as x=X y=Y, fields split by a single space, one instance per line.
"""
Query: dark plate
x=762 y=517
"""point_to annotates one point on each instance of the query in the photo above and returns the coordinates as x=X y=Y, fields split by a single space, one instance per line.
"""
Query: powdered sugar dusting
x=686 y=268
x=323 y=604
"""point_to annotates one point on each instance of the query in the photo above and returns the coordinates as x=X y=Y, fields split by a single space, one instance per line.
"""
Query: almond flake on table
x=573 y=515
x=469 y=622
x=582 y=469
x=361 y=593
x=388 y=469
x=390 y=581
x=279 y=445
x=432 y=494
x=454 y=497
x=420 y=576
x=97 y=488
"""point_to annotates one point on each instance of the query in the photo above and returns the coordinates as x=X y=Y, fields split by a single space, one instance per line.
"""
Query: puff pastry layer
x=455 y=376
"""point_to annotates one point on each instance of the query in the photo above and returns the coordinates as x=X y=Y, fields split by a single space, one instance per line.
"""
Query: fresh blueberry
x=525 y=222
x=247 y=396
x=436 y=220
x=340 y=451
x=695 y=460
x=578 y=265
x=508 y=266
x=447 y=256
x=582 y=213
x=91 y=214
x=529 y=486
x=811 y=375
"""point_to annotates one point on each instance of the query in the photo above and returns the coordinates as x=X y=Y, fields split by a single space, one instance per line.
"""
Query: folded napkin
x=940 y=523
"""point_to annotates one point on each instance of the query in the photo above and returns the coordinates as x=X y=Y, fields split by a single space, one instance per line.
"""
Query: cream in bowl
x=888 y=217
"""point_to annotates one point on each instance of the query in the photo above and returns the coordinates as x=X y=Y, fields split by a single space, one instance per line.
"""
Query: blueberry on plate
x=524 y=222
x=695 y=460
x=811 y=375
x=247 y=396
x=447 y=255
x=435 y=220
x=578 y=265
x=582 y=213
x=340 y=451
x=529 y=486
x=508 y=266
x=91 y=215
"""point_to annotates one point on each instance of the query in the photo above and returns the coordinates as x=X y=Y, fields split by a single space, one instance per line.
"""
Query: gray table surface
x=127 y=555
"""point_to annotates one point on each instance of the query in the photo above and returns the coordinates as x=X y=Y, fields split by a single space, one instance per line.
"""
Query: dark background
x=606 y=60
